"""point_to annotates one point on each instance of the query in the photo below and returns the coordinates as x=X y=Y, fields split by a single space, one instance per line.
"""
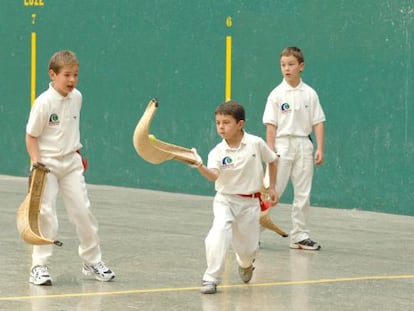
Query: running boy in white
x=236 y=167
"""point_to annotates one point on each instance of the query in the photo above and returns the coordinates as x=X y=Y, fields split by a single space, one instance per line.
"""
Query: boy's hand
x=273 y=197
x=199 y=159
x=318 y=157
x=36 y=165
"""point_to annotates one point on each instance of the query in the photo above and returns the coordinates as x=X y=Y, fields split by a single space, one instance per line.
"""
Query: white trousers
x=236 y=224
x=66 y=176
x=296 y=164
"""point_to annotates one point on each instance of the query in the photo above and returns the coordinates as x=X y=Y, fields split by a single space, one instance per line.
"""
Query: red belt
x=84 y=161
x=257 y=195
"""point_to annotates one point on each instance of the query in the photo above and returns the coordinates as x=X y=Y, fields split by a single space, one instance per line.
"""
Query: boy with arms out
x=292 y=111
x=236 y=167
x=53 y=139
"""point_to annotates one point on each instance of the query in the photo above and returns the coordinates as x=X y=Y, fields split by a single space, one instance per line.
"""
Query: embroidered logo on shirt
x=227 y=162
x=54 y=120
x=285 y=107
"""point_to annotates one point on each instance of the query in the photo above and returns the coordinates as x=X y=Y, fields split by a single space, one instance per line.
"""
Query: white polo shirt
x=293 y=110
x=54 y=120
x=241 y=169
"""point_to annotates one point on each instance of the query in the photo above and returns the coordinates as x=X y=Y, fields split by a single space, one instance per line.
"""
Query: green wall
x=358 y=55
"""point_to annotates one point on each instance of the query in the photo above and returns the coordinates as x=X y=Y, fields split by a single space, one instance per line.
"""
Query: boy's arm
x=271 y=136
x=272 y=182
x=272 y=174
x=32 y=148
x=210 y=174
x=319 y=131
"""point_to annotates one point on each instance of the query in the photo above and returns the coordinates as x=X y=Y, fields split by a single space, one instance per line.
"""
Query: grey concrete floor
x=154 y=241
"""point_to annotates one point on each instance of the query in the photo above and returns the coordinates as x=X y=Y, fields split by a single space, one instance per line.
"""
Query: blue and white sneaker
x=40 y=276
x=306 y=244
x=99 y=271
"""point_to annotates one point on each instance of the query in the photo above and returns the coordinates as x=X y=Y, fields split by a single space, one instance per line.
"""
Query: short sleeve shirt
x=241 y=169
x=294 y=111
x=54 y=120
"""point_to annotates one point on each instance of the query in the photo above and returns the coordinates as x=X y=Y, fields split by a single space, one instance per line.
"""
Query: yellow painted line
x=182 y=289
x=228 y=68
x=33 y=70
x=322 y=281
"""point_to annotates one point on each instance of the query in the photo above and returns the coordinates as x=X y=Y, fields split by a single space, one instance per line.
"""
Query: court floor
x=154 y=241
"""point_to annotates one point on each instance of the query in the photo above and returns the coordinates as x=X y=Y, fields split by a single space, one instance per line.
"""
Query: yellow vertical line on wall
x=33 y=70
x=228 y=68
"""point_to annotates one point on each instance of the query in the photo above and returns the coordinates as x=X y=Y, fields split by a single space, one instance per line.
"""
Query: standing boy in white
x=53 y=139
x=292 y=111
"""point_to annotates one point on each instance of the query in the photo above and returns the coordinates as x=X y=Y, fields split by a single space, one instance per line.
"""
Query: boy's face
x=291 y=69
x=66 y=80
x=227 y=126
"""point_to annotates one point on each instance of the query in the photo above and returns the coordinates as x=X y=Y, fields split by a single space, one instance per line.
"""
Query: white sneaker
x=208 y=287
x=246 y=273
x=40 y=276
x=99 y=271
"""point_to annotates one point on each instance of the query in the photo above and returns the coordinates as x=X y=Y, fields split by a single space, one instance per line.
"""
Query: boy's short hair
x=61 y=59
x=232 y=108
x=293 y=51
